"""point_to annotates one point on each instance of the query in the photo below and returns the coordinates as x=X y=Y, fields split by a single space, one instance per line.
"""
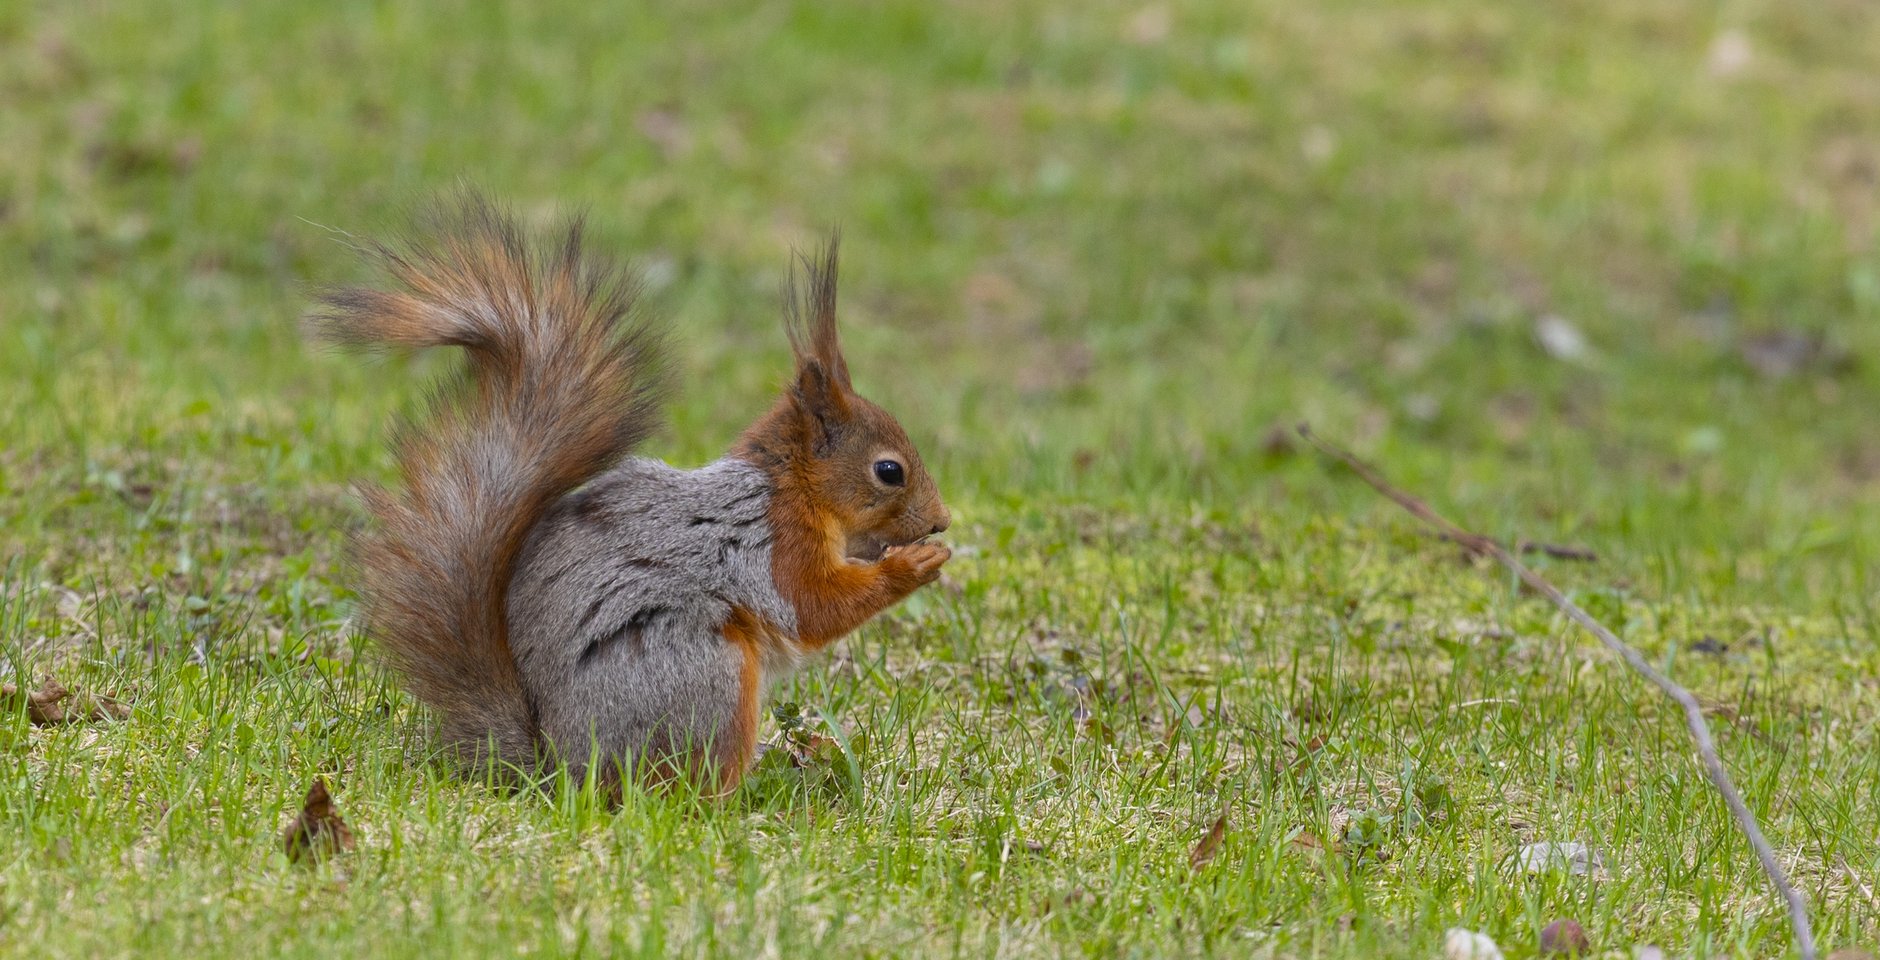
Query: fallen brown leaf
x=1278 y=442
x=1307 y=840
x=1210 y=845
x=1302 y=756
x=53 y=704
x=318 y=831
x=1565 y=938
x=1071 y=898
x=806 y=751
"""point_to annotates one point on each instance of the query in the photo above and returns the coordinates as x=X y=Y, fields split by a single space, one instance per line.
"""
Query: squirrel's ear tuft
x=809 y=313
x=823 y=405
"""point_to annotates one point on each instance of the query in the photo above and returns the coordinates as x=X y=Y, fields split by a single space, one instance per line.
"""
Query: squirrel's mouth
x=865 y=547
x=871 y=547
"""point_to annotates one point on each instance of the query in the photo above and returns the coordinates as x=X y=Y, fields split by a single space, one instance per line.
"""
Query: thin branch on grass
x=1859 y=884
x=1557 y=551
x=1693 y=711
x=1485 y=702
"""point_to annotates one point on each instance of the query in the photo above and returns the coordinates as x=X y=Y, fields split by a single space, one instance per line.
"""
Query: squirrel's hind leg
x=743 y=632
x=669 y=697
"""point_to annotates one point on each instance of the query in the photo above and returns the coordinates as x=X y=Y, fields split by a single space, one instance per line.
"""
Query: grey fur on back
x=618 y=602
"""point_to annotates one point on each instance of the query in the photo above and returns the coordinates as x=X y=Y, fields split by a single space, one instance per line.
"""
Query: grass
x=1095 y=253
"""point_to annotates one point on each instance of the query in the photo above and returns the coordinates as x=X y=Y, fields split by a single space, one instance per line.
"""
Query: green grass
x=1094 y=254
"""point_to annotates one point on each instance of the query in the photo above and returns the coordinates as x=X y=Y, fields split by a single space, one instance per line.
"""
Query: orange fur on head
x=846 y=543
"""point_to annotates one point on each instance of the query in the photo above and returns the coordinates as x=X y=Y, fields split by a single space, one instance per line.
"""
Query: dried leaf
x=1565 y=938
x=1075 y=896
x=1179 y=714
x=1278 y=443
x=805 y=758
x=1210 y=845
x=1311 y=711
x=107 y=708
x=318 y=832
x=42 y=705
x=1309 y=841
x=812 y=748
x=53 y=704
x=1302 y=759
x=1780 y=354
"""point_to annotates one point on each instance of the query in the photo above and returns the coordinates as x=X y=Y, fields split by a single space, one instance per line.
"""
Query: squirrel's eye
x=890 y=473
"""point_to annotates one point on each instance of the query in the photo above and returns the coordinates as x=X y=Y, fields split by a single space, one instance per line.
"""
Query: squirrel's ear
x=821 y=403
x=810 y=314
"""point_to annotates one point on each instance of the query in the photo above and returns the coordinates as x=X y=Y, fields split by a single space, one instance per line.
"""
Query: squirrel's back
x=561 y=384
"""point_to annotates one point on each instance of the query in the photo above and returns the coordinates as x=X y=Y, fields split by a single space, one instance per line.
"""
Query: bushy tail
x=562 y=382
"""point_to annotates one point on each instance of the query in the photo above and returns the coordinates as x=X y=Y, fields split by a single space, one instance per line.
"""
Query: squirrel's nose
x=941 y=525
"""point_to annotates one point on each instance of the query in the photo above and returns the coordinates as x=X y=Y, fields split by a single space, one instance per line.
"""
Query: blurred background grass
x=1607 y=265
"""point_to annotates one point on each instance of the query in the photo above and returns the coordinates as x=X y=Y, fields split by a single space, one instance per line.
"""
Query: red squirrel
x=560 y=604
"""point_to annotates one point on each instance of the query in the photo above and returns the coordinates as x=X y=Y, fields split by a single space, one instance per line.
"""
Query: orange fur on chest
x=831 y=594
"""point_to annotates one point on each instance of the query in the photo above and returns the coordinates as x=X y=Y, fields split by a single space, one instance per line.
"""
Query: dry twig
x=1693 y=711
x=1859 y=884
x=1557 y=551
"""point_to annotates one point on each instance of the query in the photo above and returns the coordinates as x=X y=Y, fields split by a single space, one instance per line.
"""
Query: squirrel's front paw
x=921 y=561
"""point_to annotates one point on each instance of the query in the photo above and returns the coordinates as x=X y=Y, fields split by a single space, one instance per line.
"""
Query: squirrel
x=561 y=604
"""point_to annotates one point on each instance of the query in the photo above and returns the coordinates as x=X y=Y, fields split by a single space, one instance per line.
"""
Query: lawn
x=1601 y=273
